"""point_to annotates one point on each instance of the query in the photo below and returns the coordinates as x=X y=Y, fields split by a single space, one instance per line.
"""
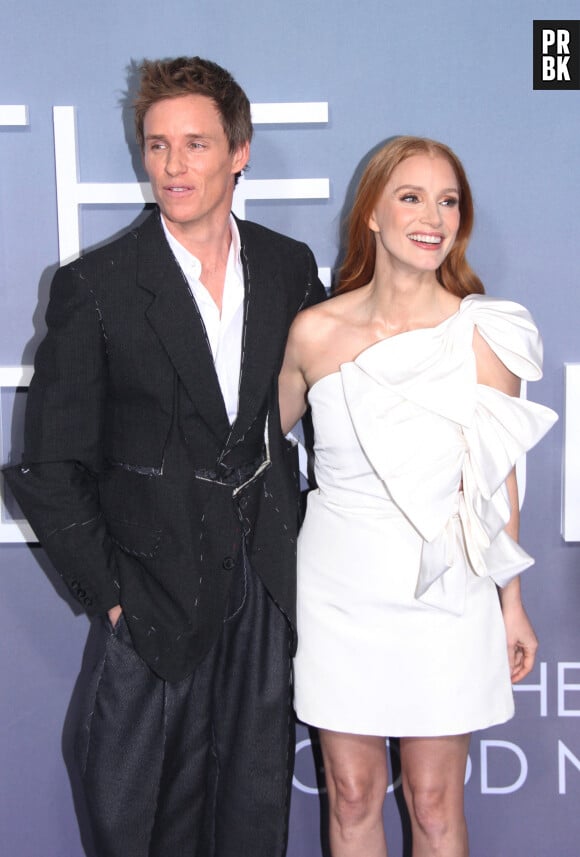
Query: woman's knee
x=432 y=810
x=356 y=778
x=433 y=775
x=356 y=798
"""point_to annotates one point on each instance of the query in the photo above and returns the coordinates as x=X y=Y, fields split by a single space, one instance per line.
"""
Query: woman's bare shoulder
x=323 y=319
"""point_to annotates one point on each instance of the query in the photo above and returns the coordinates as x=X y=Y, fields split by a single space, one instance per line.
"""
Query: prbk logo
x=556 y=54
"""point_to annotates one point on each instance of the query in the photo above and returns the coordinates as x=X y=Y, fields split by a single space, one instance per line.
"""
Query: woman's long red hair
x=358 y=267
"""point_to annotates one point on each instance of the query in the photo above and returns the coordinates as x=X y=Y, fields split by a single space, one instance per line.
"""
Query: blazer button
x=228 y=563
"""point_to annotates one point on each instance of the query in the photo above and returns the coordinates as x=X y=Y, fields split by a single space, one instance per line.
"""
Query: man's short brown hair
x=194 y=76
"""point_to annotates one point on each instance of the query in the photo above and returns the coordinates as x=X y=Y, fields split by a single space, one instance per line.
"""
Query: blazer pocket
x=136 y=436
x=134 y=539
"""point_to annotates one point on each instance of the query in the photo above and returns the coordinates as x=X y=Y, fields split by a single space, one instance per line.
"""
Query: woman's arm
x=292 y=387
x=521 y=640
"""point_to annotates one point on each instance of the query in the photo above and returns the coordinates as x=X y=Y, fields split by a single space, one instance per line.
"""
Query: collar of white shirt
x=224 y=332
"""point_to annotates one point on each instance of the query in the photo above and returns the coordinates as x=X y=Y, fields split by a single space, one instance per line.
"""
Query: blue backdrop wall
x=459 y=71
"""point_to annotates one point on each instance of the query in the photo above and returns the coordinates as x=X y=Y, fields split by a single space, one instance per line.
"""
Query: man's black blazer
x=129 y=455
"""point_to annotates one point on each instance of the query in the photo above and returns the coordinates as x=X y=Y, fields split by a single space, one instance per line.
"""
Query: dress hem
x=414 y=733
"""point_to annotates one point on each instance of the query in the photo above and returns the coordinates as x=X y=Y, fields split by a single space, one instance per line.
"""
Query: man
x=158 y=481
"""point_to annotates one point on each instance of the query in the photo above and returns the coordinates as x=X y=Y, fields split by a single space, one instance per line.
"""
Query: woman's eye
x=450 y=201
x=409 y=197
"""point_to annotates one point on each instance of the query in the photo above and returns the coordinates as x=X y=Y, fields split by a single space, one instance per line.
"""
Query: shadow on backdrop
x=347 y=205
x=94 y=644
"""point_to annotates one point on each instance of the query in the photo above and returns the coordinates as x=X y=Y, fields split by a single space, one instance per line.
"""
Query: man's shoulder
x=120 y=249
x=282 y=258
x=255 y=235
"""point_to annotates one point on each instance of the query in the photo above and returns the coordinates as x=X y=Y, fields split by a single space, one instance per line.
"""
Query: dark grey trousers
x=201 y=768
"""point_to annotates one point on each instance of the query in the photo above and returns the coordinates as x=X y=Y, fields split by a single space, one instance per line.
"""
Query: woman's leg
x=356 y=779
x=433 y=772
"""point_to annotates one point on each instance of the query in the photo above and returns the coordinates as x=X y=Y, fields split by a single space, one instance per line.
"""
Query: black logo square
x=556 y=54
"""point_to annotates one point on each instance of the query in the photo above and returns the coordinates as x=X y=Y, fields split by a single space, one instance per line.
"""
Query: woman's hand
x=522 y=642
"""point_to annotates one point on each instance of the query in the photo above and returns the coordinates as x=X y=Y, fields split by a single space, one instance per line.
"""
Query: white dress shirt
x=224 y=332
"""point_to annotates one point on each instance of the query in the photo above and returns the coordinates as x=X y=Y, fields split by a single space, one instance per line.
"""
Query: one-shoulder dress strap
x=510 y=331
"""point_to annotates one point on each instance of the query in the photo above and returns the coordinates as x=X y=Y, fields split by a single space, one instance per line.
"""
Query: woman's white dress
x=399 y=623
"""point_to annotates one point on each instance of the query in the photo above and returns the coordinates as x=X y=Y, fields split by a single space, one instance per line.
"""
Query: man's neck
x=209 y=242
x=211 y=247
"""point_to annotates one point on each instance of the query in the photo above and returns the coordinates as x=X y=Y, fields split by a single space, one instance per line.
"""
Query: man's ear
x=241 y=157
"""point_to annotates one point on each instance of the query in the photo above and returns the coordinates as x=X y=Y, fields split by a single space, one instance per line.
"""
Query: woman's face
x=417 y=215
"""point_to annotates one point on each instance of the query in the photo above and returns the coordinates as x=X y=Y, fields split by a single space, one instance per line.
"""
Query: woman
x=413 y=377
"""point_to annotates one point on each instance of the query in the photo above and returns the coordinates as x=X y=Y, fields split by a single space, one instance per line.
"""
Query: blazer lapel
x=264 y=329
x=174 y=316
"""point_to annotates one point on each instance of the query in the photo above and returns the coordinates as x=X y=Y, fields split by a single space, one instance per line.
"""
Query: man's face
x=189 y=164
